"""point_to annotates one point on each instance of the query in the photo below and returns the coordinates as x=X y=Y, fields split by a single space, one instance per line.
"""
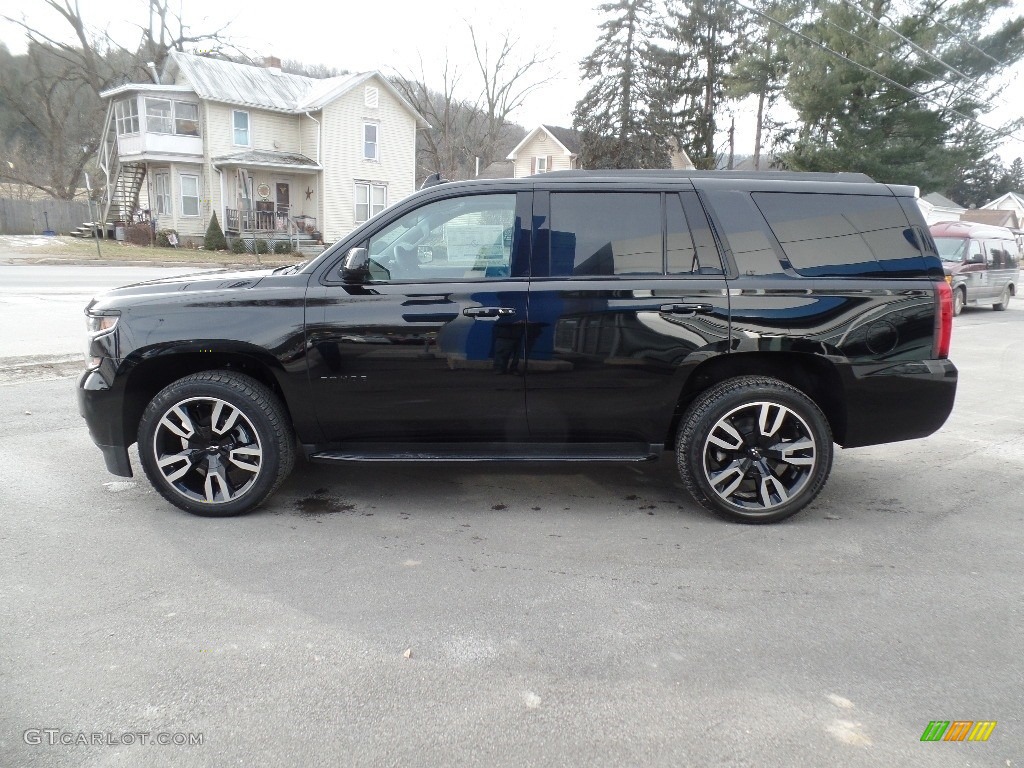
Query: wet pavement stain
x=319 y=503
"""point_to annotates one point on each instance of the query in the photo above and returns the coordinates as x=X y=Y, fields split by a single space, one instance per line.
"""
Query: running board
x=492 y=452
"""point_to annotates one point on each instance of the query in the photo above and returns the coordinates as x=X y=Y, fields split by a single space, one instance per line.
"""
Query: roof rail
x=673 y=174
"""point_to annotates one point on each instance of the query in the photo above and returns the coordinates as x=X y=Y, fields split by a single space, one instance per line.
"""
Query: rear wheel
x=754 y=450
x=216 y=443
x=1004 y=300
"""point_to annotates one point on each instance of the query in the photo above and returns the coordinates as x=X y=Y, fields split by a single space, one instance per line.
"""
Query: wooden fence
x=31 y=217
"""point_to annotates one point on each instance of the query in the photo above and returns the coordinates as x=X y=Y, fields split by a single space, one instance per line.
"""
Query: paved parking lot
x=432 y=615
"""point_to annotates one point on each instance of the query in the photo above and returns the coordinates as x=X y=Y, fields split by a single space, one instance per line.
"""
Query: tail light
x=943 y=320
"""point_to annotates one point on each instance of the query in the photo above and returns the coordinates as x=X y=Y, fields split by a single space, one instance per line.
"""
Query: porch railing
x=239 y=221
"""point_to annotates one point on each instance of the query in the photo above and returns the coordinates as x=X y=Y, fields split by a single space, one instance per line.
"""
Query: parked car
x=747 y=322
x=981 y=262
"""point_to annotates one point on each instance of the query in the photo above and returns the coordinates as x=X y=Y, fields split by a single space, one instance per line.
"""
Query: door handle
x=687 y=309
x=488 y=311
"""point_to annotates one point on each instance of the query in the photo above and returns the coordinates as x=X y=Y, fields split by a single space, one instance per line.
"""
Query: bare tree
x=472 y=121
x=52 y=91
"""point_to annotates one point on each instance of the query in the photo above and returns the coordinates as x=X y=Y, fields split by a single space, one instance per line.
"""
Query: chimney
x=272 y=62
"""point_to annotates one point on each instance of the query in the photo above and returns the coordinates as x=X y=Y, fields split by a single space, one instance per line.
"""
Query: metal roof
x=268 y=88
x=268 y=159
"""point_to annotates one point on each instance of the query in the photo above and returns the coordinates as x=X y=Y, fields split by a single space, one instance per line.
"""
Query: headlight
x=96 y=326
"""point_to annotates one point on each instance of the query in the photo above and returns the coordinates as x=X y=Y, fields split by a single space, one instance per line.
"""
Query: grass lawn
x=81 y=249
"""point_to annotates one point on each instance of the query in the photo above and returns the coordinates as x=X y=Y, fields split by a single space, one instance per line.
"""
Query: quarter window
x=371 y=199
x=189 y=195
x=240 y=123
x=371 y=143
x=606 y=233
x=126 y=115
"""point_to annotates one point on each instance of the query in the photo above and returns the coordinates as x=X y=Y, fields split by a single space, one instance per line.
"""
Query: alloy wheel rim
x=207 y=450
x=759 y=456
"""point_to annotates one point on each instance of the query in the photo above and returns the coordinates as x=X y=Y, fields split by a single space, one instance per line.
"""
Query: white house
x=935 y=208
x=1011 y=201
x=264 y=150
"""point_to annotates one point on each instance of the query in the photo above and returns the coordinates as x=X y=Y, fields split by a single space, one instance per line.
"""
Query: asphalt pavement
x=459 y=615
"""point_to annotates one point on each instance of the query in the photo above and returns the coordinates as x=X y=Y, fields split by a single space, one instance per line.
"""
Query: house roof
x=993 y=217
x=1013 y=198
x=266 y=159
x=566 y=138
x=499 y=169
x=941 y=202
x=267 y=88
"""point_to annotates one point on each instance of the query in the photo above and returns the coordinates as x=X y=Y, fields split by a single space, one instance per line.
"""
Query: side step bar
x=467 y=452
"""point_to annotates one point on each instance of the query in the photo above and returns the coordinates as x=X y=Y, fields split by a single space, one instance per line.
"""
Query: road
x=45 y=303
x=561 y=616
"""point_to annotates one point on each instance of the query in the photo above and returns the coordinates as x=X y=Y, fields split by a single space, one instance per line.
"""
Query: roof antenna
x=433 y=180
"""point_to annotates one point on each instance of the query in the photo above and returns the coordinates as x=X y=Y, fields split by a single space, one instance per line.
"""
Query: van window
x=606 y=233
x=1012 y=254
x=996 y=253
x=836 y=235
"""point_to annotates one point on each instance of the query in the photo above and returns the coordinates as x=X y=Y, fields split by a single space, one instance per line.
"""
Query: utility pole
x=732 y=142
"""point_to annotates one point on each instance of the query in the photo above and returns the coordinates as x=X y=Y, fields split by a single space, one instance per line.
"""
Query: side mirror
x=356 y=266
x=976 y=259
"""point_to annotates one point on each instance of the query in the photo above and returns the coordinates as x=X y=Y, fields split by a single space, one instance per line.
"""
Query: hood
x=217 y=280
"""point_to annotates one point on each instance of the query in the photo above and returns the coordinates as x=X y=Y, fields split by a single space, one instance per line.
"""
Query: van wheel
x=959 y=299
x=1004 y=300
x=754 y=450
x=216 y=443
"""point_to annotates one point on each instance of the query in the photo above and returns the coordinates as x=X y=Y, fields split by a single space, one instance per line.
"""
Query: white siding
x=342 y=155
x=309 y=138
x=541 y=145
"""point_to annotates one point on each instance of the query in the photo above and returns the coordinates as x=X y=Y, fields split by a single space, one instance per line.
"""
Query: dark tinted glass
x=841 y=235
x=746 y=232
x=701 y=257
x=1012 y=254
x=606 y=233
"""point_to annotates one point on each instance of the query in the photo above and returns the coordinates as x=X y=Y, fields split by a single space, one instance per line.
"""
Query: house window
x=541 y=165
x=126 y=114
x=240 y=120
x=189 y=195
x=159 y=116
x=162 y=182
x=371 y=199
x=186 y=118
x=371 y=144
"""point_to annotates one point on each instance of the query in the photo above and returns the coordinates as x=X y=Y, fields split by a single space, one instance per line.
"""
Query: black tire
x=1004 y=300
x=721 y=438
x=221 y=421
x=959 y=299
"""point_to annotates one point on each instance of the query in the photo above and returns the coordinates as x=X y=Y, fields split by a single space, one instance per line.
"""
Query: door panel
x=431 y=347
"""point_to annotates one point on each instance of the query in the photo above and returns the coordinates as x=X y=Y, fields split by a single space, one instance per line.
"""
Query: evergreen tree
x=618 y=118
x=215 y=240
x=854 y=120
x=1014 y=179
x=702 y=48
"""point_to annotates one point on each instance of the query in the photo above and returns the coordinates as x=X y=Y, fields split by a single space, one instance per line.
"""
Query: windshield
x=951 y=248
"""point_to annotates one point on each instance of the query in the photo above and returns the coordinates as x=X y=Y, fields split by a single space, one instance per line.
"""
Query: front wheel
x=754 y=450
x=958 y=301
x=216 y=443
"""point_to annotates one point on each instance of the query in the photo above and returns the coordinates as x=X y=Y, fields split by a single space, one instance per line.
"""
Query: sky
x=394 y=36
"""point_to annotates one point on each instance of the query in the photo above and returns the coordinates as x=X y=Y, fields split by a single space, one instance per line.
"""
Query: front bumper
x=101 y=408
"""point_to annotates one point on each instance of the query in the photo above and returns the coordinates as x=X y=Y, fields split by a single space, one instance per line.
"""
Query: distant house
x=268 y=152
x=935 y=208
x=1011 y=201
x=995 y=218
x=552 y=148
x=545 y=148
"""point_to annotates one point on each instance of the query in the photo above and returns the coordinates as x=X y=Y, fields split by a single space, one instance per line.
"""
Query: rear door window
x=606 y=234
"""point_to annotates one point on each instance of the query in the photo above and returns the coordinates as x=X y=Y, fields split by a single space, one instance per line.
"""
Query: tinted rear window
x=606 y=233
x=835 y=235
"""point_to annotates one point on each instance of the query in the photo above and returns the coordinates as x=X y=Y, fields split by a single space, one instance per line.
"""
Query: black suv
x=748 y=322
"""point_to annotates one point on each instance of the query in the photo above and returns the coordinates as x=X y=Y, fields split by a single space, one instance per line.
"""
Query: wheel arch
x=147 y=374
x=812 y=374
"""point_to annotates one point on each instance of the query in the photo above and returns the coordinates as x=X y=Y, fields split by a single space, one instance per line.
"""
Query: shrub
x=262 y=247
x=282 y=246
x=163 y=237
x=215 y=240
x=238 y=246
x=139 y=234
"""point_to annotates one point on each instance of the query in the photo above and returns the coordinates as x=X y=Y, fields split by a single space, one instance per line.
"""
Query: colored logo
x=958 y=730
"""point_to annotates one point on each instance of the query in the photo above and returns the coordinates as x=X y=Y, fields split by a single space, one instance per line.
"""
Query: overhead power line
x=998 y=132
